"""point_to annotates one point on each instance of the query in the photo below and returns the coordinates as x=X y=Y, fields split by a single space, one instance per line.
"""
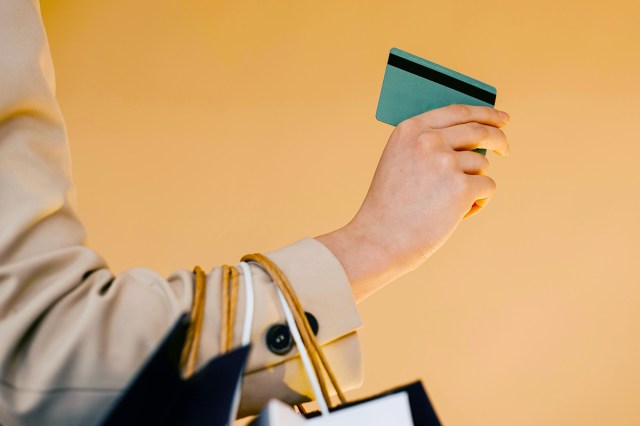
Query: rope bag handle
x=299 y=325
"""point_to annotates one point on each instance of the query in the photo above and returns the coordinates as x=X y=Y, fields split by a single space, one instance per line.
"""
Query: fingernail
x=504 y=116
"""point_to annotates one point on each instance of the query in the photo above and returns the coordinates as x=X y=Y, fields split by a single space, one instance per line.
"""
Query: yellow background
x=203 y=130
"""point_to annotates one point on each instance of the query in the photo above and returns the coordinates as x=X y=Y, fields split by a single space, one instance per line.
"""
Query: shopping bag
x=403 y=406
x=392 y=410
x=159 y=396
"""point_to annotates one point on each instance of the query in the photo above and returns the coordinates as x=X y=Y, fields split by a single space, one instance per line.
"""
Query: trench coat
x=73 y=333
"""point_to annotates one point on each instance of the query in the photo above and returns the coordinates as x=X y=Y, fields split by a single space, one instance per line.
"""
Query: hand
x=427 y=181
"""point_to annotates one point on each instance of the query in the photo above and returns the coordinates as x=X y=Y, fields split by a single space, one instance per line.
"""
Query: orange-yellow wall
x=203 y=130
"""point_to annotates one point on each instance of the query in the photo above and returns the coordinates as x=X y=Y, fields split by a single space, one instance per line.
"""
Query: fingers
x=483 y=188
x=454 y=131
x=474 y=135
x=476 y=207
x=472 y=163
x=460 y=114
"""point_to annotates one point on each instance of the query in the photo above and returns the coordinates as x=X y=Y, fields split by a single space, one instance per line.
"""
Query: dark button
x=279 y=340
x=313 y=322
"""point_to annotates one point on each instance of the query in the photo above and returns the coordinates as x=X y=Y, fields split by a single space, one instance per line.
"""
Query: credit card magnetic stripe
x=441 y=78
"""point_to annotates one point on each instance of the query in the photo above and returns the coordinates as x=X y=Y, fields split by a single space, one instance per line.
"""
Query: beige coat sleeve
x=71 y=333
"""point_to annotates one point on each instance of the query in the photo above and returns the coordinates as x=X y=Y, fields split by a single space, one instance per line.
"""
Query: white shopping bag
x=389 y=410
x=405 y=406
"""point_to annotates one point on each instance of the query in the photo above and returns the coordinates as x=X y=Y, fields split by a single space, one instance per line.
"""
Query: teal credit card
x=413 y=85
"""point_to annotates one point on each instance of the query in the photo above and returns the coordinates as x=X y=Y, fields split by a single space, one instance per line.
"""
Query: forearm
x=366 y=262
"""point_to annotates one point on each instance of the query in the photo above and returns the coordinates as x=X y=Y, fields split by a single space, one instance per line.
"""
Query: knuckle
x=448 y=160
x=460 y=110
x=478 y=132
x=407 y=126
x=429 y=137
x=429 y=141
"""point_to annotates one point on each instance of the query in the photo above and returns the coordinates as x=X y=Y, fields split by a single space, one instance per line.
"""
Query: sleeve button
x=313 y=322
x=279 y=340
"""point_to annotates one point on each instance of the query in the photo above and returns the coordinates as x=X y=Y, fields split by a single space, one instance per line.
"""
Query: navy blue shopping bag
x=158 y=395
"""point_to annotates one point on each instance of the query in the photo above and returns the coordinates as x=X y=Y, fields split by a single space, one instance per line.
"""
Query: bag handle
x=246 y=333
x=306 y=361
x=310 y=350
x=191 y=347
x=307 y=342
x=229 y=300
x=249 y=303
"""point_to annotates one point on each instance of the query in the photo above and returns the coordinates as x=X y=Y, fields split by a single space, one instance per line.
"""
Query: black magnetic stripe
x=444 y=79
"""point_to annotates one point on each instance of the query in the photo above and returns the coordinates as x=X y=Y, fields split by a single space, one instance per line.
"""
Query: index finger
x=460 y=114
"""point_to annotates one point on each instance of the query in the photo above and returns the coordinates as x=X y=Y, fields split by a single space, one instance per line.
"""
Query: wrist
x=366 y=260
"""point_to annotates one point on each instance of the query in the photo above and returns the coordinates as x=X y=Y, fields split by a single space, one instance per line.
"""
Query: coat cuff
x=324 y=291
